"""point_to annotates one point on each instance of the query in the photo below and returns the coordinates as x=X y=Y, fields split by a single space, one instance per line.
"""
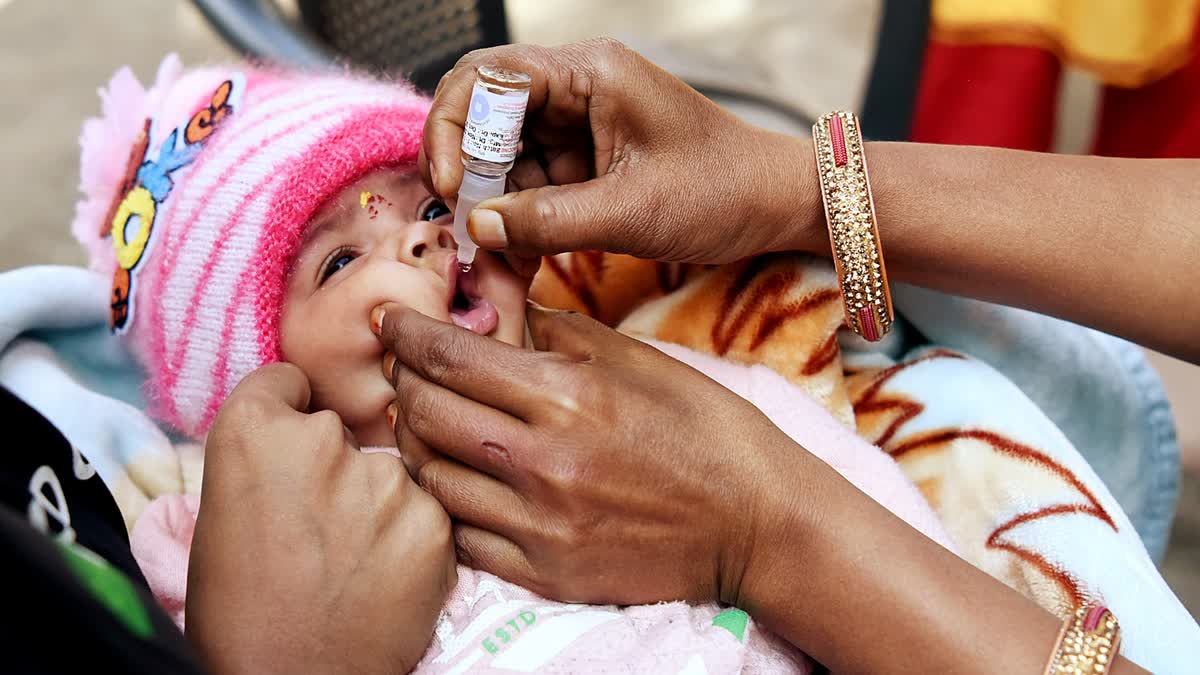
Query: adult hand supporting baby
x=308 y=555
x=598 y=469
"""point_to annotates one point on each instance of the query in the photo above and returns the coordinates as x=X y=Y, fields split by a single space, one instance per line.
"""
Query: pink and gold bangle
x=853 y=230
x=1087 y=644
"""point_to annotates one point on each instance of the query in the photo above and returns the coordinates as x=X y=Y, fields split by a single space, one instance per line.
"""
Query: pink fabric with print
x=491 y=626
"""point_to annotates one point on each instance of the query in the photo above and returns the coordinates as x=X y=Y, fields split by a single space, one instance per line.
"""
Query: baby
x=383 y=237
x=249 y=216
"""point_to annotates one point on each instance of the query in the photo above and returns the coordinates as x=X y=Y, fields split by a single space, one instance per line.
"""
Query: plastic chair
x=259 y=29
x=420 y=38
x=424 y=38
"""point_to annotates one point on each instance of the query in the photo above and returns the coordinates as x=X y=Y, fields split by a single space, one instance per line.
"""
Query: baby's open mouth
x=469 y=310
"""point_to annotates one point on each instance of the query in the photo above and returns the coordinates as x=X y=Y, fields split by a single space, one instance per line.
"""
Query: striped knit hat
x=197 y=191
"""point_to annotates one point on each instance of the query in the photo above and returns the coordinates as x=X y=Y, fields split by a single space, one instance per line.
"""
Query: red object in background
x=1006 y=96
x=997 y=95
x=1161 y=119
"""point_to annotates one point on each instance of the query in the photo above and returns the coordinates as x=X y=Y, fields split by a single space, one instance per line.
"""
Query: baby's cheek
x=335 y=351
x=359 y=394
x=403 y=285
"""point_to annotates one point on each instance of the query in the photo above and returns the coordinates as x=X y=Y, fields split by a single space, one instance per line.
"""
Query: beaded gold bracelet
x=1087 y=644
x=853 y=230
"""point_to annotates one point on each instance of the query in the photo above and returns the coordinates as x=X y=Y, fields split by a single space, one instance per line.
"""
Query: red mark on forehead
x=371 y=202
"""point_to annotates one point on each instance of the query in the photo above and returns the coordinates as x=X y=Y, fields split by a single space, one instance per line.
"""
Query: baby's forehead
x=398 y=186
x=394 y=184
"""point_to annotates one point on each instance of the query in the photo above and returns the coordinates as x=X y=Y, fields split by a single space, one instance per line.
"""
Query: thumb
x=569 y=333
x=278 y=386
x=598 y=214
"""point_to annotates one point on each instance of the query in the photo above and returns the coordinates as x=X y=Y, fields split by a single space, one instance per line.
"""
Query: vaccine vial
x=489 y=146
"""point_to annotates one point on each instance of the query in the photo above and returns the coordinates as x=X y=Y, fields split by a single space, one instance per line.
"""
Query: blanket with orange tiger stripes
x=1016 y=495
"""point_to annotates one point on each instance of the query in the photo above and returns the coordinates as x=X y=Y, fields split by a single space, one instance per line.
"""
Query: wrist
x=789 y=198
x=780 y=532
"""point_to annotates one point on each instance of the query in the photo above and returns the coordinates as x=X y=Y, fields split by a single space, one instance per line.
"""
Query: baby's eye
x=432 y=210
x=335 y=263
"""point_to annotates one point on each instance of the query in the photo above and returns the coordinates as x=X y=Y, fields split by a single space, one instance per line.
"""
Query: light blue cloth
x=57 y=354
x=1099 y=390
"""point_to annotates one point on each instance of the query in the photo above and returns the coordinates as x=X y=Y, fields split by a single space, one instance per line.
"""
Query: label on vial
x=494 y=124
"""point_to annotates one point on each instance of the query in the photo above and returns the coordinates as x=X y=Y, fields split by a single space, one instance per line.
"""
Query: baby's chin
x=375 y=435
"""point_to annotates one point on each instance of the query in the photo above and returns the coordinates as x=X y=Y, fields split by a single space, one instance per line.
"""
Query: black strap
x=891 y=98
x=43 y=476
x=75 y=600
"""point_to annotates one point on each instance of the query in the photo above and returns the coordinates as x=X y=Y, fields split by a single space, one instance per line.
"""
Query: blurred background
x=768 y=60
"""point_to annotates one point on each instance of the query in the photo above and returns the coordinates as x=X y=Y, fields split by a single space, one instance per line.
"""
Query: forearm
x=874 y=595
x=1108 y=243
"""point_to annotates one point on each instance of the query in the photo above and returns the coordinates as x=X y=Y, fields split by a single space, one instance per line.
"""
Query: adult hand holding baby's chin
x=309 y=556
x=596 y=469
x=621 y=156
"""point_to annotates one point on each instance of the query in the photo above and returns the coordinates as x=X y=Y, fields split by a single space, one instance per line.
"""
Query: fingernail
x=487 y=228
x=377 y=320
x=392 y=411
x=389 y=362
x=534 y=304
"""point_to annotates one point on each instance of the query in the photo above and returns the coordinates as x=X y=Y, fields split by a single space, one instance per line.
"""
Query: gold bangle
x=853 y=230
x=1087 y=644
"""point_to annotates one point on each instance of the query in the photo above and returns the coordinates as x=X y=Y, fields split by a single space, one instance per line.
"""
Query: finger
x=440 y=147
x=424 y=170
x=457 y=426
x=490 y=552
x=566 y=165
x=525 y=267
x=479 y=368
x=571 y=334
x=413 y=451
x=555 y=74
x=473 y=497
x=327 y=425
x=447 y=116
x=279 y=385
x=606 y=213
x=267 y=400
x=526 y=174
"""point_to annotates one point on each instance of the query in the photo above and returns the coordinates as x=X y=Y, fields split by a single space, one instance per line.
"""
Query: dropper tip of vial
x=465 y=254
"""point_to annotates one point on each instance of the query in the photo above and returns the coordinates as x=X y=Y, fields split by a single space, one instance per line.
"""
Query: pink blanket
x=489 y=625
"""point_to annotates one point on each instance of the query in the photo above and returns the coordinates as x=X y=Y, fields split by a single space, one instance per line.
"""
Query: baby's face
x=391 y=245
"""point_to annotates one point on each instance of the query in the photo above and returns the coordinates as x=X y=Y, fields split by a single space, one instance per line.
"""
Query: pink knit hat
x=197 y=192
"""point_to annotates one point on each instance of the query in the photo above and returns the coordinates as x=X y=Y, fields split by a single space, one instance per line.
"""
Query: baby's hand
x=310 y=556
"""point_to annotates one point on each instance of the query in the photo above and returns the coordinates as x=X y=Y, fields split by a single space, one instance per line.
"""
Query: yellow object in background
x=1126 y=43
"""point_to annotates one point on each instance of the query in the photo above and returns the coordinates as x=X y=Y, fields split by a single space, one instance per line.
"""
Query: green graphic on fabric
x=733 y=620
x=503 y=635
x=112 y=588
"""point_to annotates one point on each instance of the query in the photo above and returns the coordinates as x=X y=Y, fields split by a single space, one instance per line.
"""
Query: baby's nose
x=421 y=239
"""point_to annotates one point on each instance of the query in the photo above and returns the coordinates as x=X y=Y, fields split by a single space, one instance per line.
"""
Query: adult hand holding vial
x=608 y=140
